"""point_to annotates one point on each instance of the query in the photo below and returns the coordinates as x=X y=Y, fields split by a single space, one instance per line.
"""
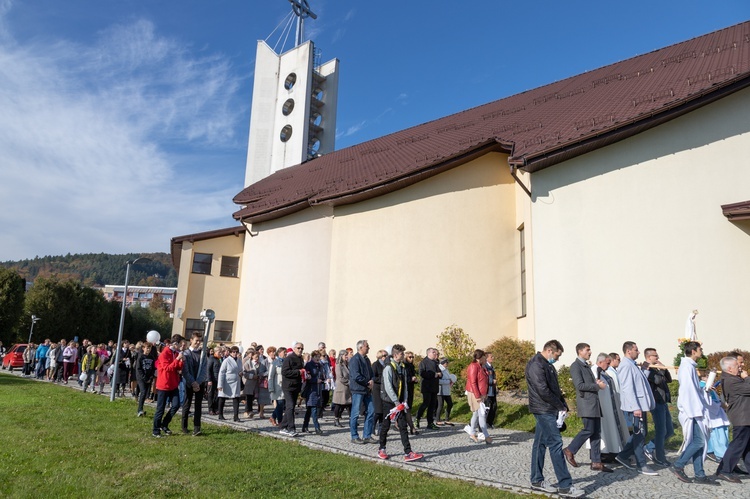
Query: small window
x=230 y=266
x=202 y=263
x=223 y=330
x=290 y=81
x=288 y=107
x=286 y=133
x=194 y=326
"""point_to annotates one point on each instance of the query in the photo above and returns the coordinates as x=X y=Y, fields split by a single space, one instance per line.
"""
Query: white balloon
x=153 y=337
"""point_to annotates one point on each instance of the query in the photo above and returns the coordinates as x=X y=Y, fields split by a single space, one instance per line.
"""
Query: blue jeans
x=547 y=436
x=357 y=400
x=161 y=421
x=694 y=452
x=634 y=445
x=663 y=429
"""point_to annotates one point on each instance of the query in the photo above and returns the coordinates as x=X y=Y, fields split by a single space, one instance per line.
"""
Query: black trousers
x=491 y=402
x=429 y=403
x=739 y=448
x=198 y=405
x=290 y=399
x=592 y=430
x=400 y=423
x=211 y=398
x=235 y=407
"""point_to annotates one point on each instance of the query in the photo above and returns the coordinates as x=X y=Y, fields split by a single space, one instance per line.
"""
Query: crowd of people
x=614 y=397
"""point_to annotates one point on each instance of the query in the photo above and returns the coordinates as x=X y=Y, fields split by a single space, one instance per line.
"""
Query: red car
x=14 y=358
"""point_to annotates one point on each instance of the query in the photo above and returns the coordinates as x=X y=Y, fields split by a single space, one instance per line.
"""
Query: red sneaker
x=382 y=454
x=413 y=456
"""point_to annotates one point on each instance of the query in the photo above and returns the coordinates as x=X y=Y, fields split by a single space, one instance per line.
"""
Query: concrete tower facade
x=293 y=116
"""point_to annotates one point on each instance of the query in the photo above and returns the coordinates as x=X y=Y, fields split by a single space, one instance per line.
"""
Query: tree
x=146 y=319
x=12 y=291
x=454 y=343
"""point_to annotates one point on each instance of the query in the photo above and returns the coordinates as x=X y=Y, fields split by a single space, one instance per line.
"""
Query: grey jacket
x=191 y=363
x=635 y=393
x=587 y=391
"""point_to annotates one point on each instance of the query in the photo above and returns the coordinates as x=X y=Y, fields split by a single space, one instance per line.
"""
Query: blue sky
x=124 y=123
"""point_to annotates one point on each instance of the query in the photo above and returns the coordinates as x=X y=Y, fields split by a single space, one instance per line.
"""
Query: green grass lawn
x=60 y=442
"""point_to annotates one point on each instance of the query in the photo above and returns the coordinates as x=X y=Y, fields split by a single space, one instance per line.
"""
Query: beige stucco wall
x=284 y=292
x=395 y=269
x=196 y=292
x=630 y=238
x=443 y=251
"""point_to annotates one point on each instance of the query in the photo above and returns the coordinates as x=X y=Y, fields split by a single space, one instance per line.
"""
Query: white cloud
x=94 y=140
x=352 y=129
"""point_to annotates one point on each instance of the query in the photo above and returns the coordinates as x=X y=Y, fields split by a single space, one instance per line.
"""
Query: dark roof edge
x=736 y=211
x=384 y=187
x=552 y=157
x=176 y=242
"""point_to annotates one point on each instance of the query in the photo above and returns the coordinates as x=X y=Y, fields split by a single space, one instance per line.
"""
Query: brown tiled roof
x=537 y=128
x=737 y=211
x=176 y=243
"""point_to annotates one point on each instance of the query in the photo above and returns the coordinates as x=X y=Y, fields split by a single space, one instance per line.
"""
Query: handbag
x=83 y=376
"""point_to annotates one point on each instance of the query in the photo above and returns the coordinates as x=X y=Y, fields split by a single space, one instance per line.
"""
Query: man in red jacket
x=168 y=367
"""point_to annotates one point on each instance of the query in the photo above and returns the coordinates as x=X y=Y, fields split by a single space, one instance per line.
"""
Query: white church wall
x=630 y=238
x=284 y=287
x=407 y=264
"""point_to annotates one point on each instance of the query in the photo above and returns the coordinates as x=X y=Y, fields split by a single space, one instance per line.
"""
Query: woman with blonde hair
x=342 y=395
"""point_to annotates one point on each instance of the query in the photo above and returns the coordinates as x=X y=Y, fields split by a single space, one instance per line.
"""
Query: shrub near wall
x=715 y=358
x=511 y=356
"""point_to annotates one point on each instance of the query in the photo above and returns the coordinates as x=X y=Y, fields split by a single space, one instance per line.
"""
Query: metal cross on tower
x=302 y=10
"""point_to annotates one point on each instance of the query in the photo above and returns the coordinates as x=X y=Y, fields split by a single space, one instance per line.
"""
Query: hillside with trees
x=99 y=269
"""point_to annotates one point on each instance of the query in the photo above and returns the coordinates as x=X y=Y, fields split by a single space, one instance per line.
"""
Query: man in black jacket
x=548 y=406
x=429 y=370
x=291 y=383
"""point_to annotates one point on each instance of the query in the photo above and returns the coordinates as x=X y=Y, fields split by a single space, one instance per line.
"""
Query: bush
x=511 y=356
x=455 y=343
x=567 y=387
x=715 y=358
x=681 y=342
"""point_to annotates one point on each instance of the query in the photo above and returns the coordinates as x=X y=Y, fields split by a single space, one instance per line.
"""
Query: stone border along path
x=504 y=464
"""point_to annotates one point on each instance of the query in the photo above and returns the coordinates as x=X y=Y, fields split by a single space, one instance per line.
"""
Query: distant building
x=141 y=295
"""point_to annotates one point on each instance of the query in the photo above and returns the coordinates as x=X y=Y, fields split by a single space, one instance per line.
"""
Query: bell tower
x=293 y=115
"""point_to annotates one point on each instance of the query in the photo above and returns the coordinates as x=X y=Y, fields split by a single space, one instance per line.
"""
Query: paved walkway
x=504 y=464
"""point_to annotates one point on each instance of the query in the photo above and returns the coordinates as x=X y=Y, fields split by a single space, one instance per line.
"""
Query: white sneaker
x=571 y=492
x=544 y=486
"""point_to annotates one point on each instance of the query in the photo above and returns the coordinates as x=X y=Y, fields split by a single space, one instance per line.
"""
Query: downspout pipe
x=518 y=180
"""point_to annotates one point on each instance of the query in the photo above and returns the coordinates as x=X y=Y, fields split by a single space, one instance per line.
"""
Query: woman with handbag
x=477 y=386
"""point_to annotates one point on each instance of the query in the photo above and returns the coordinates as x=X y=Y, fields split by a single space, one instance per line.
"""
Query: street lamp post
x=122 y=324
x=34 y=320
x=208 y=317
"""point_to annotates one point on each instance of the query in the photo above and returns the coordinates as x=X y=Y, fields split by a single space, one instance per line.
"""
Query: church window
x=194 y=326
x=288 y=107
x=522 y=254
x=230 y=266
x=290 y=81
x=202 y=263
x=223 y=330
x=286 y=133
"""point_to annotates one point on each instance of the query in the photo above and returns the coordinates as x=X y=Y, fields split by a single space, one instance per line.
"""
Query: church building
x=600 y=208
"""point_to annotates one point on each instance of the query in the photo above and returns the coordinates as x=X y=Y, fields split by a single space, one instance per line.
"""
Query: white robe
x=692 y=403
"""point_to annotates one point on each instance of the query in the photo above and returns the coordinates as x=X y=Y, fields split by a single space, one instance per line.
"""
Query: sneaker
x=284 y=432
x=680 y=474
x=166 y=431
x=417 y=423
x=382 y=454
x=664 y=463
x=433 y=426
x=625 y=463
x=647 y=470
x=649 y=455
x=727 y=477
x=705 y=480
x=544 y=486
x=319 y=432
x=357 y=441
x=293 y=434
x=185 y=431
x=372 y=440
x=413 y=456
x=712 y=457
x=141 y=414
x=571 y=491
x=196 y=432
x=156 y=435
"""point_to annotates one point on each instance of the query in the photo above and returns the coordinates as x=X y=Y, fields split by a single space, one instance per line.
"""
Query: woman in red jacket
x=477 y=385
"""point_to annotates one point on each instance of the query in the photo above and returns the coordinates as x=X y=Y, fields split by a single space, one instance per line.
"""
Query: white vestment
x=692 y=403
x=614 y=427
